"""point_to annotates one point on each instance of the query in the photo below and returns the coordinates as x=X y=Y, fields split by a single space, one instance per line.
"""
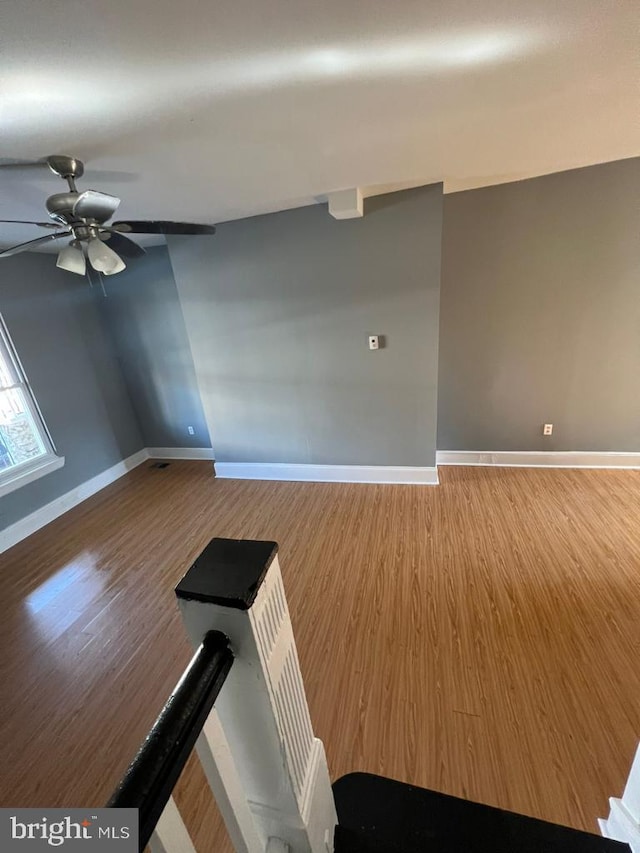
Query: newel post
x=267 y=771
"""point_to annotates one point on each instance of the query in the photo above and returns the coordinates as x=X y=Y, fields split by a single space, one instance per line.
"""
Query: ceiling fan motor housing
x=60 y=205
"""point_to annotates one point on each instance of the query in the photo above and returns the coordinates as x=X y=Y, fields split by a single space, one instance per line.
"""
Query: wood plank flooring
x=481 y=638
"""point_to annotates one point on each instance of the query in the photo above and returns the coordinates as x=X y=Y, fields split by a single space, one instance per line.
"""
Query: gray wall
x=147 y=326
x=55 y=321
x=540 y=313
x=278 y=309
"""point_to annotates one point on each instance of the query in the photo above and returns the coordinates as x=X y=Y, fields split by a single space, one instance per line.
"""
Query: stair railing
x=241 y=703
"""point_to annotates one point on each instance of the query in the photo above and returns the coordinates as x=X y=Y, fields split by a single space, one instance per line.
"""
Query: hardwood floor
x=481 y=638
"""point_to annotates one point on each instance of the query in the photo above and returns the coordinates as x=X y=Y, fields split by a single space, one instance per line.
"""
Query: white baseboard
x=539 y=459
x=326 y=473
x=180 y=452
x=49 y=512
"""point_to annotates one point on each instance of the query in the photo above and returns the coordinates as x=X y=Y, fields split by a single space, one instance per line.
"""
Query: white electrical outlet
x=191 y=430
x=374 y=342
x=547 y=429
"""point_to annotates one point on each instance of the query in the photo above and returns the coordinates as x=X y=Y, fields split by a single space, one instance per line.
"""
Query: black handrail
x=153 y=773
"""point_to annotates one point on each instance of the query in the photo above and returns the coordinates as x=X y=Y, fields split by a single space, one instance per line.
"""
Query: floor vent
x=160 y=465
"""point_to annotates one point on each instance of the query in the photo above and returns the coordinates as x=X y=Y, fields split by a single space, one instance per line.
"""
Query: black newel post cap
x=228 y=572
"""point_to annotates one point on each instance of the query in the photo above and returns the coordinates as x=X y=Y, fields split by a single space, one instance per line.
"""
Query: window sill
x=29 y=472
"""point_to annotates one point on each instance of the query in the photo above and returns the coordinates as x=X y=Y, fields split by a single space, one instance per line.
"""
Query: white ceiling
x=210 y=110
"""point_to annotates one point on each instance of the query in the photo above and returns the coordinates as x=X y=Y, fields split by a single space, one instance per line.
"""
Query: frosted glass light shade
x=118 y=268
x=72 y=259
x=104 y=259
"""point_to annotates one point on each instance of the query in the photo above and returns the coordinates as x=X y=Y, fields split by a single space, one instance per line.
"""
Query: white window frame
x=32 y=469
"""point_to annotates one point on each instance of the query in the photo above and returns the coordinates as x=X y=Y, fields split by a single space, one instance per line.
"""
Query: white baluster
x=623 y=823
x=170 y=834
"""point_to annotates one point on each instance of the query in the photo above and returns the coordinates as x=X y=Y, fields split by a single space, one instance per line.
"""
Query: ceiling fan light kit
x=102 y=258
x=83 y=217
x=72 y=259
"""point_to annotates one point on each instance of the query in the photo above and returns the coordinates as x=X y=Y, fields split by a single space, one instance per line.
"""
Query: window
x=26 y=448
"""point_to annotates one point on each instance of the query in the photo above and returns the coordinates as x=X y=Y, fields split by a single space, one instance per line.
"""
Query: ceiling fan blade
x=159 y=226
x=122 y=245
x=16 y=163
x=95 y=205
x=23 y=247
x=29 y=222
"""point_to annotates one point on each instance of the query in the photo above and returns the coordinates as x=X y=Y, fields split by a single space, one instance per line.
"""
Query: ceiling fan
x=83 y=216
